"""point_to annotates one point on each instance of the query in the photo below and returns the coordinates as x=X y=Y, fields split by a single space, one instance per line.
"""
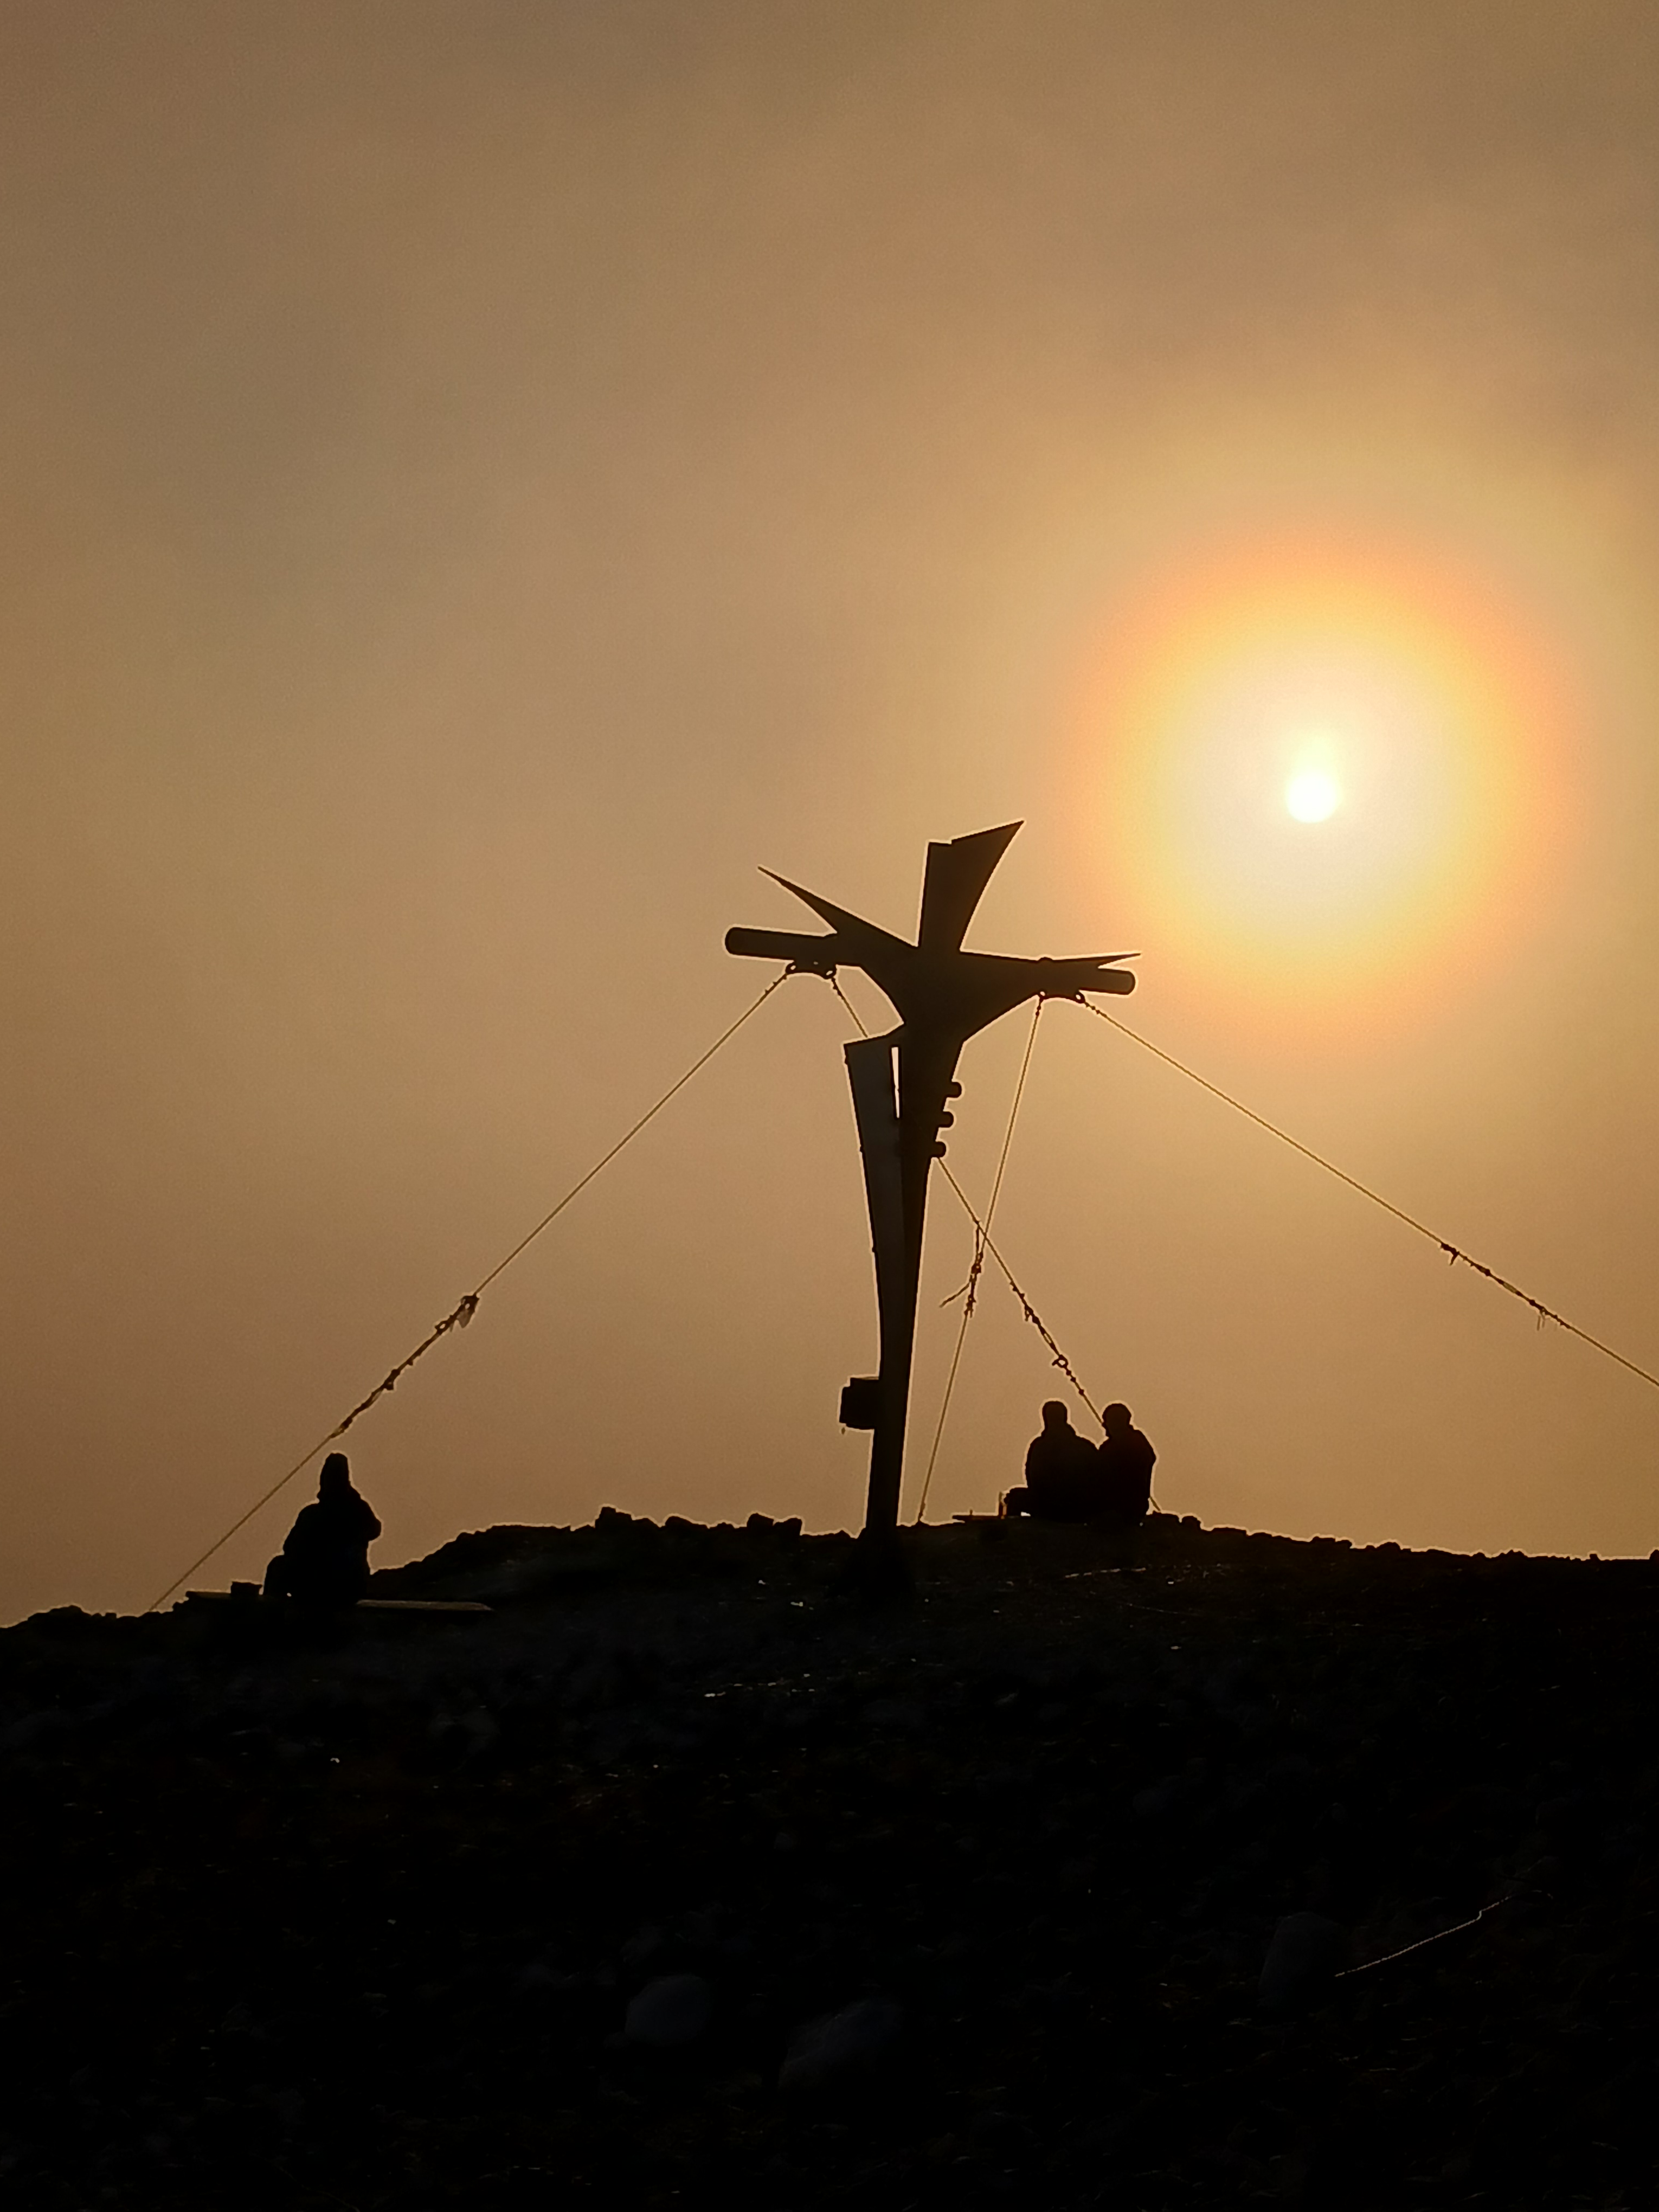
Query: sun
x=1382 y=694
x=1312 y=795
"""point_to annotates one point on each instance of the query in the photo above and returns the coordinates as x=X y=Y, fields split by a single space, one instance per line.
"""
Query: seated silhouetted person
x=1125 y=1463
x=1062 y=1473
x=325 y=1561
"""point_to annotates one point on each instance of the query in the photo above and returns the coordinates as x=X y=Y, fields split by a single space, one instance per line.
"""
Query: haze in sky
x=483 y=478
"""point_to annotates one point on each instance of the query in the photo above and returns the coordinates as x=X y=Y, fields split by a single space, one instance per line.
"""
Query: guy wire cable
x=1453 y=1252
x=969 y=1291
x=1030 y=1312
x=468 y=1306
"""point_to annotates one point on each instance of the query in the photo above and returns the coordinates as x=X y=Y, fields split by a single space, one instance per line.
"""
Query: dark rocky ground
x=356 y=1920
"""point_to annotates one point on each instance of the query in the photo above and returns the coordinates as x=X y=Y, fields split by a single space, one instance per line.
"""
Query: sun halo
x=1390 y=699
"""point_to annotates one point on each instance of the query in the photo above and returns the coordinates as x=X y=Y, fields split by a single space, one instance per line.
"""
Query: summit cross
x=903 y=1083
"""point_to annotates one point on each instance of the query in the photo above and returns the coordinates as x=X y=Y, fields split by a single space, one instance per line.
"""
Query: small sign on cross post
x=903 y=1084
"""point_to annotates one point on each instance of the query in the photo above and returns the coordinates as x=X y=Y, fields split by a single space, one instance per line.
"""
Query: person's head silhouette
x=1115 y=1420
x=1054 y=1415
x=336 y=1477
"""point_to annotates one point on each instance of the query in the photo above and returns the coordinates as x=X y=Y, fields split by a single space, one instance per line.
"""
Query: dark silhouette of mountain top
x=683 y=1869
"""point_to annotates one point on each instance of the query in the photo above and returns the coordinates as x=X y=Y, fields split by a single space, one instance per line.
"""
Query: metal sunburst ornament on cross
x=902 y=1082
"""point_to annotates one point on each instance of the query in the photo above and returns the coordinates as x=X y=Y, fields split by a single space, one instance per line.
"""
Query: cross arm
x=1070 y=979
x=818 y=956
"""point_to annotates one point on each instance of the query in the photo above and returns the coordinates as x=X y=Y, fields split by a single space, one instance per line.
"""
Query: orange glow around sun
x=1326 y=781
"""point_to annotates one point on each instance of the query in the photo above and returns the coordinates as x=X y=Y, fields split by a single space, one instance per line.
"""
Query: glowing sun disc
x=1312 y=795
x=1256 y=686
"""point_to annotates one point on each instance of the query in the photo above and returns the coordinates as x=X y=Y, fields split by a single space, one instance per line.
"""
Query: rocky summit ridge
x=1064 y=1880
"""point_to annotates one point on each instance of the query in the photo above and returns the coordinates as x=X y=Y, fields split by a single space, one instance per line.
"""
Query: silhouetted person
x=1125 y=1461
x=1062 y=1473
x=325 y=1561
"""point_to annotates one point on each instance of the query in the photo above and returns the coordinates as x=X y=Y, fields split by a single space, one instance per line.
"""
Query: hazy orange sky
x=482 y=478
